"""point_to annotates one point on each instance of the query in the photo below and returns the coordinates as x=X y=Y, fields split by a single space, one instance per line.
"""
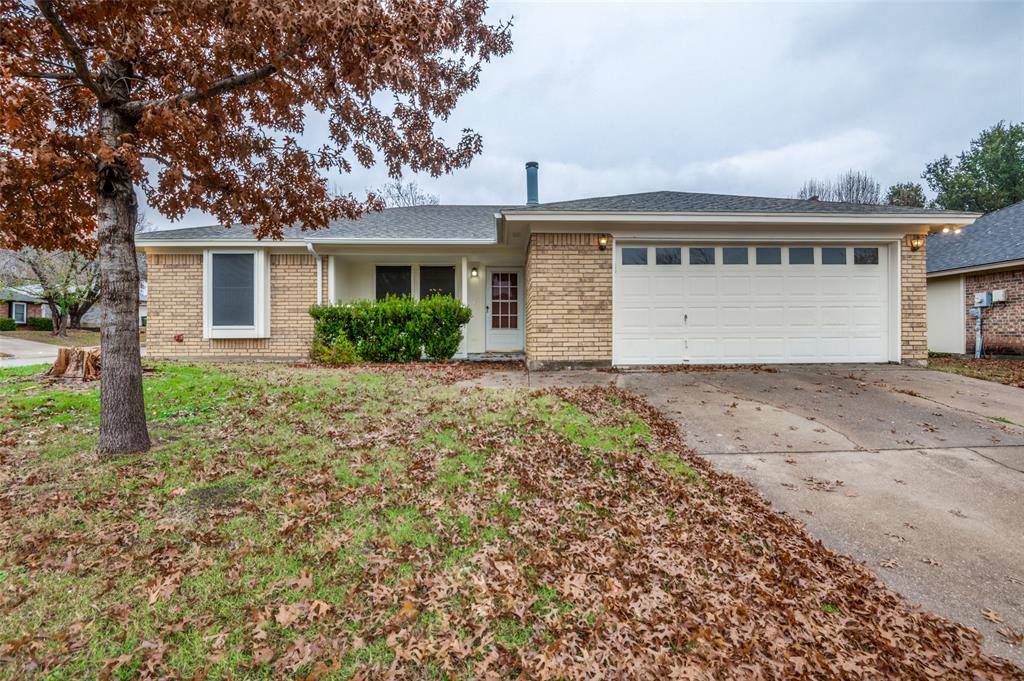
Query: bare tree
x=396 y=194
x=853 y=186
x=69 y=282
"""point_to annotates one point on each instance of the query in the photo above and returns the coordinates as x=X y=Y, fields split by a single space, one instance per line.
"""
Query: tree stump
x=76 y=364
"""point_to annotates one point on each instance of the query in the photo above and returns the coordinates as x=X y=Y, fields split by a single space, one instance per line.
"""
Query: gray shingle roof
x=477 y=223
x=993 y=238
x=459 y=223
x=685 y=202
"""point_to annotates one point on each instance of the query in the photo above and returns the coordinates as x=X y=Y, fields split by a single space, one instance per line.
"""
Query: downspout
x=319 y=273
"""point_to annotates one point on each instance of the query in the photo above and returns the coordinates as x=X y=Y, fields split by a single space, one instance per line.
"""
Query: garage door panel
x=734 y=285
x=702 y=284
x=634 y=287
x=764 y=313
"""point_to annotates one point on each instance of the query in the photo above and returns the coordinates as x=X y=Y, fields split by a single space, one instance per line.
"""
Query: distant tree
x=853 y=186
x=986 y=177
x=396 y=194
x=69 y=282
x=906 y=194
x=203 y=105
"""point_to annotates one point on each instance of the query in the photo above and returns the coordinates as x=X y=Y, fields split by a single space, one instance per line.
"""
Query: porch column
x=464 y=296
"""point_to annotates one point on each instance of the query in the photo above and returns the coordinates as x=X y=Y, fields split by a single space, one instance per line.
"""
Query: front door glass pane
x=504 y=300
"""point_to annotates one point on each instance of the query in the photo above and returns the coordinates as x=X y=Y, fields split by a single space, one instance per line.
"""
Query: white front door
x=505 y=313
x=739 y=303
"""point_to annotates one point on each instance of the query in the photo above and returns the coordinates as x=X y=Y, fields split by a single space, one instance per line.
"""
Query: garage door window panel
x=833 y=256
x=702 y=256
x=735 y=256
x=769 y=256
x=865 y=256
x=668 y=256
x=634 y=256
x=801 y=256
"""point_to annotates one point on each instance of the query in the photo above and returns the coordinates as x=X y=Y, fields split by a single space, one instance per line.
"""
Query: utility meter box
x=983 y=299
x=999 y=296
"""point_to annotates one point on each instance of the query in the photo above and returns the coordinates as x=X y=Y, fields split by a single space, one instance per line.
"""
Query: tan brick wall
x=913 y=303
x=176 y=308
x=1003 y=323
x=568 y=299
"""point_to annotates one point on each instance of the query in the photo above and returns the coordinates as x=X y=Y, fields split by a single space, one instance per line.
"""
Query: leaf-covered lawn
x=313 y=523
x=1002 y=370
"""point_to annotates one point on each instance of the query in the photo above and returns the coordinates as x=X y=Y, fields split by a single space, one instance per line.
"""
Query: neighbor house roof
x=415 y=223
x=993 y=239
x=22 y=294
x=691 y=202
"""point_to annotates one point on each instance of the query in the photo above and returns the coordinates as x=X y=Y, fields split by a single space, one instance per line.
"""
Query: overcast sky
x=619 y=97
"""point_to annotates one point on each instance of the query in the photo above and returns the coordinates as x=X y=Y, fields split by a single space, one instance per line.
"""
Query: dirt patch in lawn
x=1009 y=371
x=386 y=524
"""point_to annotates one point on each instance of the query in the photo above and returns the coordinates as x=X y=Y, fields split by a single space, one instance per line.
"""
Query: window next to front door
x=393 y=280
x=437 y=281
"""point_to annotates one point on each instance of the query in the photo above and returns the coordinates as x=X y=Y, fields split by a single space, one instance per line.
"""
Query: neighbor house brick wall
x=176 y=309
x=568 y=300
x=913 y=303
x=1003 y=323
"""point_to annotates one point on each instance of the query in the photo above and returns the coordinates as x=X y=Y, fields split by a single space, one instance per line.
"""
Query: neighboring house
x=92 y=318
x=640 y=279
x=19 y=303
x=987 y=257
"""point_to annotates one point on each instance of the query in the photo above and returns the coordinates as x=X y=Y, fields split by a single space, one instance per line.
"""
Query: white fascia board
x=1005 y=265
x=219 y=243
x=403 y=242
x=958 y=219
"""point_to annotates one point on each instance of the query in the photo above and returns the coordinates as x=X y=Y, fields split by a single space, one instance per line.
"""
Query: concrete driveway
x=25 y=352
x=918 y=473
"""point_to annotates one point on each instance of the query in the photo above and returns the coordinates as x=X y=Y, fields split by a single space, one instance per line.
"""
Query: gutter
x=1003 y=265
x=319 y=274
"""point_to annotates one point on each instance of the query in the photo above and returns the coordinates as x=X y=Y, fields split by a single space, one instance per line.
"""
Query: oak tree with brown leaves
x=201 y=105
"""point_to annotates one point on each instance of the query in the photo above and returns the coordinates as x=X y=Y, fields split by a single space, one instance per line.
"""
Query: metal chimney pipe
x=531 y=183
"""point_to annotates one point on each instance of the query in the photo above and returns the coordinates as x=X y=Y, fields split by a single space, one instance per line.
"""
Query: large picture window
x=236 y=295
x=437 y=281
x=234 y=289
x=393 y=280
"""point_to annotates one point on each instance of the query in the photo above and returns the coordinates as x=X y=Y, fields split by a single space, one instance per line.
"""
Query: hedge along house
x=638 y=279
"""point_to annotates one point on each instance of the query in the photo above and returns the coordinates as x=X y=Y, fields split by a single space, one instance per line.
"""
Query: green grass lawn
x=315 y=523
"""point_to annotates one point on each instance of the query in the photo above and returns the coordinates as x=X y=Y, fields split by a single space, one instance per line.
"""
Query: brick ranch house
x=639 y=279
x=987 y=257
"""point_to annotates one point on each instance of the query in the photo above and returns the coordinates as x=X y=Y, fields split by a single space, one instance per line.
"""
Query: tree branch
x=74 y=50
x=221 y=86
x=46 y=75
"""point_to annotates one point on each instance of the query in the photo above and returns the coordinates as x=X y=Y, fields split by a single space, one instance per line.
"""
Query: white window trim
x=261 y=289
x=24 y=312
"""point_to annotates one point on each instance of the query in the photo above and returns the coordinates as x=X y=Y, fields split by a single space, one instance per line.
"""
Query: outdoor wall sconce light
x=474 y=272
x=916 y=241
x=602 y=242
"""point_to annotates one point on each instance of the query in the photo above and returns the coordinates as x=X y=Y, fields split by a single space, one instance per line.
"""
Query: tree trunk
x=122 y=409
x=59 y=328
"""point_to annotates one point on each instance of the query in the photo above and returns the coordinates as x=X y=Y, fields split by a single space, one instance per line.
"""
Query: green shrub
x=340 y=351
x=40 y=323
x=441 y=319
x=396 y=329
x=7 y=324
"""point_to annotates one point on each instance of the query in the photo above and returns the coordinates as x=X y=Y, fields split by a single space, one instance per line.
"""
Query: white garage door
x=742 y=304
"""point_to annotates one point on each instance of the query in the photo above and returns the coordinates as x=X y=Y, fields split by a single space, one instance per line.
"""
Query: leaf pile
x=1001 y=370
x=374 y=524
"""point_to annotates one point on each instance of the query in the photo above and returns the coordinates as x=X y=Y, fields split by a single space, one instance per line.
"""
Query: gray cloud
x=734 y=98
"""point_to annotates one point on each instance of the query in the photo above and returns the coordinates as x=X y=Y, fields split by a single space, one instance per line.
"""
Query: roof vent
x=531 y=183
